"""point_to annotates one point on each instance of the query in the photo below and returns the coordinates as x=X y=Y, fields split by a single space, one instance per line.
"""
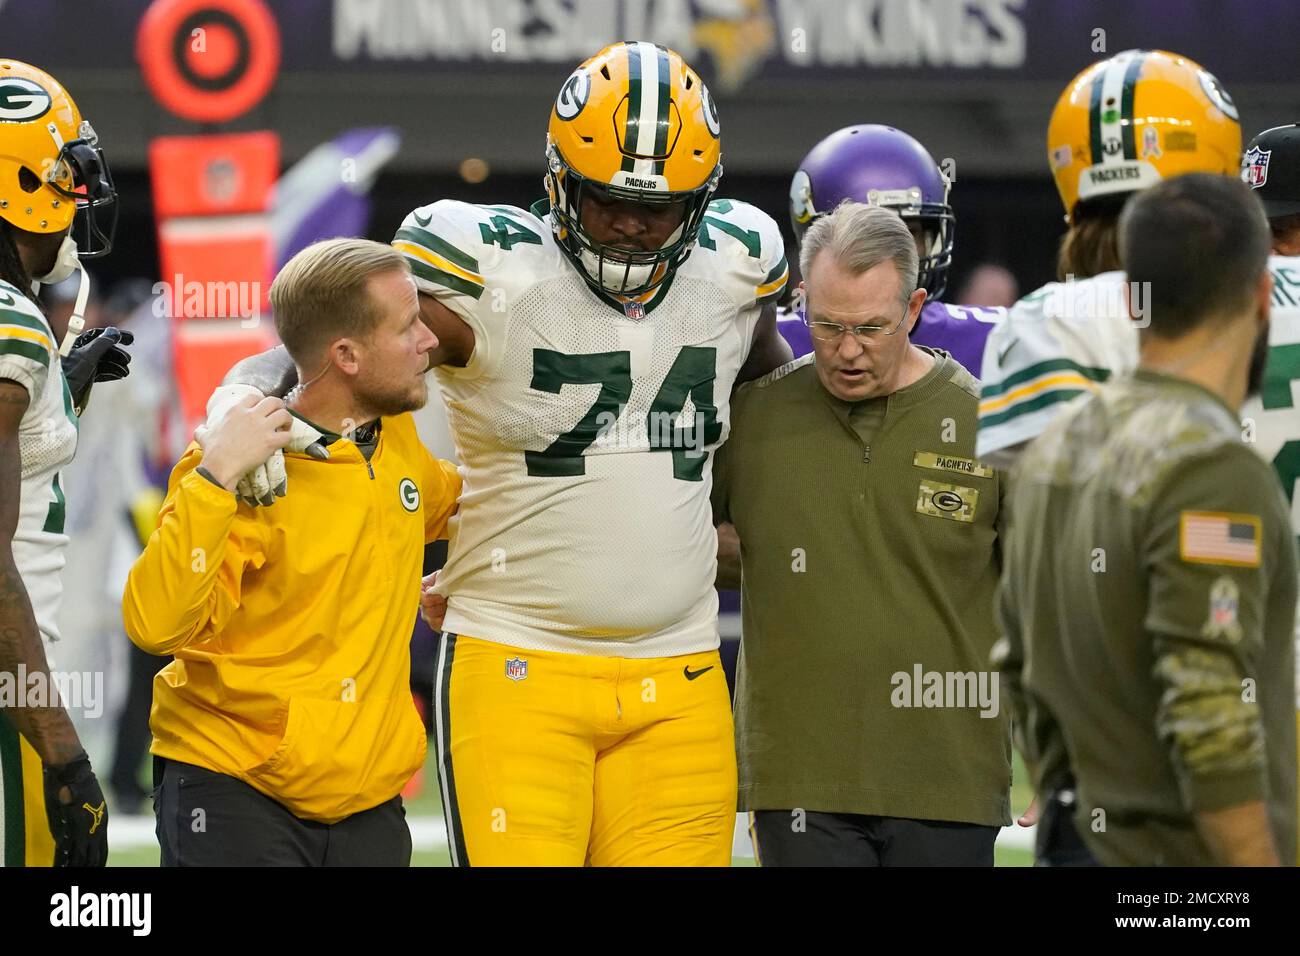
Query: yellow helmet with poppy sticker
x=51 y=166
x=1139 y=117
x=635 y=123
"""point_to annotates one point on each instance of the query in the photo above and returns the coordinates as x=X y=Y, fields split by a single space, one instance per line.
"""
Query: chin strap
x=76 y=321
x=66 y=263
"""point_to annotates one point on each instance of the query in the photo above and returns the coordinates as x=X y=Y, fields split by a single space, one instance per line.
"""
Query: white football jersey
x=47 y=439
x=1054 y=344
x=1064 y=339
x=586 y=436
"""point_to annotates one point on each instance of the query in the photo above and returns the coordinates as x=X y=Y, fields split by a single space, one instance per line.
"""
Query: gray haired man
x=868 y=725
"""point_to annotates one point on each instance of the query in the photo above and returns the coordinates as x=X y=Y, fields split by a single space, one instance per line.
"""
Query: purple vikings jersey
x=959 y=330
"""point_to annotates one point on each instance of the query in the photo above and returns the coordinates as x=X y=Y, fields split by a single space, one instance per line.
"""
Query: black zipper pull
x=371 y=470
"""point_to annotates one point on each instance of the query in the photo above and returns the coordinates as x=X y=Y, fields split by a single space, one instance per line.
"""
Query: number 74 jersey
x=586 y=427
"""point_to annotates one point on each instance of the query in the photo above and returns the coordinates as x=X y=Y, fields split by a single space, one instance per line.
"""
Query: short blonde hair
x=321 y=293
x=860 y=237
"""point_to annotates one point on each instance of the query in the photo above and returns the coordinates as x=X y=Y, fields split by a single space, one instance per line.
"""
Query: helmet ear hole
x=28 y=181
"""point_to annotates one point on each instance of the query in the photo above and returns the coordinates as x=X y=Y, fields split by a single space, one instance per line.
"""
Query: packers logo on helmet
x=51 y=167
x=573 y=95
x=1139 y=117
x=21 y=99
x=633 y=123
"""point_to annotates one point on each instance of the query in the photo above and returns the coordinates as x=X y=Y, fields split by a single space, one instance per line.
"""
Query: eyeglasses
x=833 y=331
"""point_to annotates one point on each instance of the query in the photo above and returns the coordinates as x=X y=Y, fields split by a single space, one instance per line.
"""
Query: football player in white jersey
x=52 y=173
x=1121 y=125
x=588 y=349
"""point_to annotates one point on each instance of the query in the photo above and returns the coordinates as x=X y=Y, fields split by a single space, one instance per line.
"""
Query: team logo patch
x=940 y=500
x=710 y=112
x=1254 y=167
x=928 y=459
x=1219 y=537
x=1222 y=621
x=22 y=100
x=409 y=493
x=573 y=95
x=516 y=668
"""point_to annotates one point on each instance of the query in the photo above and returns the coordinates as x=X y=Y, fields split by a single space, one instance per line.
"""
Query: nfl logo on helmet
x=1254 y=166
x=516 y=668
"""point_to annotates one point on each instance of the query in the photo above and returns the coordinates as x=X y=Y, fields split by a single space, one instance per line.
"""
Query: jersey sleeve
x=751 y=248
x=27 y=346
x=457 y=253
x=1212 y=541
x=1058 y=343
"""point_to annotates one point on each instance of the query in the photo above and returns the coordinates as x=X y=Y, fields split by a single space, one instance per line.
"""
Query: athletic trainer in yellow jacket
x=284 y=731
x=291 y=625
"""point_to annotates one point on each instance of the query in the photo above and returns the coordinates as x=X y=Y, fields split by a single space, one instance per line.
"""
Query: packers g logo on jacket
x=636 y=123
x=1139 y=117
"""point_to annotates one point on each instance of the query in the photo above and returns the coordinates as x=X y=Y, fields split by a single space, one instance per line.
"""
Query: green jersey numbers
x=505 y=232
x=1283 y=368
x=551 y=372
x=691 y=376
x=749 y=238
x=57 y=515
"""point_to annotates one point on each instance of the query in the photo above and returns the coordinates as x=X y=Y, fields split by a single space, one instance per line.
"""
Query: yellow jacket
x=291 y=624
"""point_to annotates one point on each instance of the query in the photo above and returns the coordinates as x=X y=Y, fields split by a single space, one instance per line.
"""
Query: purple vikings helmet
x=880 y=166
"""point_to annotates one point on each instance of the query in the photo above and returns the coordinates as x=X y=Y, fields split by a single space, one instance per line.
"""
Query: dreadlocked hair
x=11 y=263
x=1091 y=245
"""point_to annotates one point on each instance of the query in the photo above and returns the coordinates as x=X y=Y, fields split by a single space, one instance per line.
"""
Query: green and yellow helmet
x=51 y=166
x=636 y=123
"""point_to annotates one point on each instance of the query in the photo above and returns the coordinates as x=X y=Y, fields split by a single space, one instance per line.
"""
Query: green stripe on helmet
x=665 y=100
x=633 y=122
x=1126 y=104
x=1094 y=118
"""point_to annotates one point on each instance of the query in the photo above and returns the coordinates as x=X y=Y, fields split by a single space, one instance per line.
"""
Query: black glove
x=80 y=824
x=97 y=356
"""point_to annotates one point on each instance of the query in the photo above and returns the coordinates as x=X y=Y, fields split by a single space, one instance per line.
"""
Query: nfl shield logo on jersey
x=1254 y=167
x=516 y=668
x=634 y=310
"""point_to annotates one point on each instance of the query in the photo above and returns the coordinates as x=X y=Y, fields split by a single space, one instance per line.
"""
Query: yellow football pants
x=550 y=759
x=25 y=838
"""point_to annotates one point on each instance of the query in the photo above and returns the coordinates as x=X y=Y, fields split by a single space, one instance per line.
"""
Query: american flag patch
x=1217 y=537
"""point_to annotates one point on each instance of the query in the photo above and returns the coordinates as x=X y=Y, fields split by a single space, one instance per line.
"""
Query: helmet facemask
x=80 y=173
x=937 y=228
x=609 y=268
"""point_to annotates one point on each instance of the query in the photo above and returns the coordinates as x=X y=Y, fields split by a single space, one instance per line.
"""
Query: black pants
x=210 y=819
x=808 y=838
x=1058 y=841
x=133 y=736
